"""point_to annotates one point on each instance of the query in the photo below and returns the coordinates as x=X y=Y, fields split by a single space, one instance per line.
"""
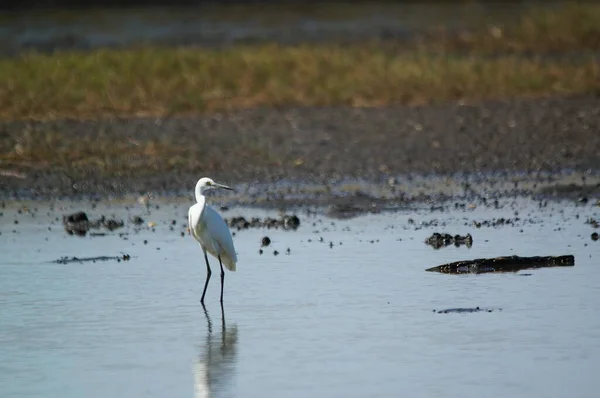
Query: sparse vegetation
x=523 y=59
x=178 y=81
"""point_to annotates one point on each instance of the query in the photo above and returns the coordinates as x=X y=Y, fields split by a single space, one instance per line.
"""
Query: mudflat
x=119 y=156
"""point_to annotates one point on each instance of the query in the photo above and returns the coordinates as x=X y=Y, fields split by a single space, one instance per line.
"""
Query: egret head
x=204 y=184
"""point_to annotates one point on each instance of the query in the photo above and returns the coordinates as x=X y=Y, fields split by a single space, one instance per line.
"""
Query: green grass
x=171 y=81
x=487 y=62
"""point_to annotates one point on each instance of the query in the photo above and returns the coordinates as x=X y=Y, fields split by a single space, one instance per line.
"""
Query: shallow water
x=353 y=319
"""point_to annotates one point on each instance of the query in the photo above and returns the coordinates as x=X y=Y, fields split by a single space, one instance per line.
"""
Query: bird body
x=211 y=231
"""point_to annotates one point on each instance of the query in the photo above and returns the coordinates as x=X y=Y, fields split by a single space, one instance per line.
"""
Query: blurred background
x=47 y=25
x=151 y=60
x=427 y=51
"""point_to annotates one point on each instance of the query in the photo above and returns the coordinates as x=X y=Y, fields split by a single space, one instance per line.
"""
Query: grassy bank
x=171 y=81
x=487 y=62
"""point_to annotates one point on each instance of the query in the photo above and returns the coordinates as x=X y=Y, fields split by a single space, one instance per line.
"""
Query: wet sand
x=326 y=148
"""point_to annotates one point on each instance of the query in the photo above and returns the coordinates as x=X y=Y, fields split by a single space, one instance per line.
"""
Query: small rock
x=438 y=240
x=595 y=236
x=291 y=222
x=265 y=241
x=76 y=223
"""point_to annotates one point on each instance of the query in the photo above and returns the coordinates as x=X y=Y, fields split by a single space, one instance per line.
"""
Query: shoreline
x=286 y=154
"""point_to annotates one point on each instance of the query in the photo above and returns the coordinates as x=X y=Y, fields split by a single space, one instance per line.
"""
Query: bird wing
x=219 y=231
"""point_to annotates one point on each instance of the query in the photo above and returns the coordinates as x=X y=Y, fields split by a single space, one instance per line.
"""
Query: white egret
x=211 y=231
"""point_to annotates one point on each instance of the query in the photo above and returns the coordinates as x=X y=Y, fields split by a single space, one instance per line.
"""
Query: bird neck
x=199 y=191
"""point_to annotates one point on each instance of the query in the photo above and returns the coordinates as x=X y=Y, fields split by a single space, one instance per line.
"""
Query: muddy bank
x=316 y=154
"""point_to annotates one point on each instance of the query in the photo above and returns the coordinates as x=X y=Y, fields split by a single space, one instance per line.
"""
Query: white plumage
x=211 y=231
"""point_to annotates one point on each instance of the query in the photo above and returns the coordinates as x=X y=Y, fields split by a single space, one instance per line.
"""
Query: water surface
x=348 y=315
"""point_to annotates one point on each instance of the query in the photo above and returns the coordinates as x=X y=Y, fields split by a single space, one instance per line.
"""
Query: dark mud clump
x=593 y=222
x=503 y=264
x=67 y=260
x=465 y=310
x=287 y=222
x=496 y=222
x=76 y=223
x=137 y=220
x=79 y=224
x=438 y=240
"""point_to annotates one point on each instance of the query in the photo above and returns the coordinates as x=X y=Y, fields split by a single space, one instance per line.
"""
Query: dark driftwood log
x=503 y=264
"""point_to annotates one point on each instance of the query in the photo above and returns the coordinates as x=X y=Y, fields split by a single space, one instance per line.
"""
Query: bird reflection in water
x=214 y=366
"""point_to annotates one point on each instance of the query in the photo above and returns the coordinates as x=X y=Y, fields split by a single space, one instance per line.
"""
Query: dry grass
x=169 y=81
x=34 y=151
x=176 y=81
x=46 y=148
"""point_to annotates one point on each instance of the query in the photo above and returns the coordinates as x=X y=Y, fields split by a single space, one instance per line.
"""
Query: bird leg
x=222 y=319
x=222 y=278
x=208 y=322
x=208 y=273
